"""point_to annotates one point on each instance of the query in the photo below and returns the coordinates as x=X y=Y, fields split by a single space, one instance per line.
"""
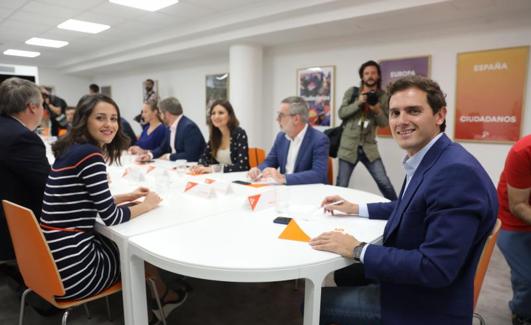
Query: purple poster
x=397 y=68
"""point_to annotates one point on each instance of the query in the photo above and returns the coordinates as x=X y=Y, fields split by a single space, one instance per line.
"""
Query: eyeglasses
x=280 y=115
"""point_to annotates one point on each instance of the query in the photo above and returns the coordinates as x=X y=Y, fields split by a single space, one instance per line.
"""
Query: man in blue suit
x=184 y=141
x=300 y=152
x=436 y=230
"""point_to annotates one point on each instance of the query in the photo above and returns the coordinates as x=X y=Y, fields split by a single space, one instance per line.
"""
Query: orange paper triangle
x=189 y=185
x=294 y=232
x=209 y=180
x=253 y=200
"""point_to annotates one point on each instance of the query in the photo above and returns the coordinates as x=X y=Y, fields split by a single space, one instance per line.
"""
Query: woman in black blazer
x=227 y=143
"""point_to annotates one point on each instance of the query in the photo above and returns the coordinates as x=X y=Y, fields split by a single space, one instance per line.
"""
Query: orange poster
x=490 y=94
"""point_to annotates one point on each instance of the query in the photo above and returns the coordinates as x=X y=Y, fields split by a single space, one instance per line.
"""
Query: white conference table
x=222 y=239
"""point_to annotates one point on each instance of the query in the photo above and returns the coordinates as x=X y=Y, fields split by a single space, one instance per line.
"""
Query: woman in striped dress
x=77 y=192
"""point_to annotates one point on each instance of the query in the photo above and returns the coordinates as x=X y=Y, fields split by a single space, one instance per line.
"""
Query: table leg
x=137 y=291
x=312 y=300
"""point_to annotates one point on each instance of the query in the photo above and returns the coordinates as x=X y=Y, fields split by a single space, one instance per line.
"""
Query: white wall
x=348 y=54
x=68 y=87
x=186 y=81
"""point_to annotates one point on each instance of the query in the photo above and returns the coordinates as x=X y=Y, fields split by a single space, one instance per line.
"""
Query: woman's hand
x=152 y=200
x=198 y=170
x=138 y=193
x=337 y=203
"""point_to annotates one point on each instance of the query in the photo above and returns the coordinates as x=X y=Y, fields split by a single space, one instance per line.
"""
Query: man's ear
x=441 y=115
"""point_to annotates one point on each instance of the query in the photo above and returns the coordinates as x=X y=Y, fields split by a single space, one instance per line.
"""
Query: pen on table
x=335 y=203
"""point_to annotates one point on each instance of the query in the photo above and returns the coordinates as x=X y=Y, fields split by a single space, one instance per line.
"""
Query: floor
x=257 y=303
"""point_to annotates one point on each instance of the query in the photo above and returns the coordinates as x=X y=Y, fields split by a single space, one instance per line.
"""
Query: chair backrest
x=256 y=156
x=484 y=260
x=34 y=258
x=330 y=171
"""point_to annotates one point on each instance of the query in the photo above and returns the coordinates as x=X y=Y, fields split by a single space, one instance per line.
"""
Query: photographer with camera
x=56 y=107
x=363 y=110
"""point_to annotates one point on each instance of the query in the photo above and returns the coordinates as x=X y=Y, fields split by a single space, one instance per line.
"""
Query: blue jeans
x=351 y=305
x=375 y=168
x=516 y=247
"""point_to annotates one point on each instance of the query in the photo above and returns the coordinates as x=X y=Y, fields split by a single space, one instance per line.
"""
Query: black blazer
x=189 y=142
x=239 y=153
x=24 y=170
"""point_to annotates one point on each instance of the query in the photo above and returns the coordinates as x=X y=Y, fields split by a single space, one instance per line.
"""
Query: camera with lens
x=372 y=98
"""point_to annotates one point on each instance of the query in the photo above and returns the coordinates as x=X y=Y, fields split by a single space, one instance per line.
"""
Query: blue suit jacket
x=311 y=165
x=433 y=239
x=24 y=170
x=189 y=142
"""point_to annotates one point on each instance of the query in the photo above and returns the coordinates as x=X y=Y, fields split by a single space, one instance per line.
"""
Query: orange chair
x=483 y=264
x=256 y=156
x=36 y=264
x=330 y=171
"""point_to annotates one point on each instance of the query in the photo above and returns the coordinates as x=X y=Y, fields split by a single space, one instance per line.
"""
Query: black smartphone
x=241 y=182
x=282 y=220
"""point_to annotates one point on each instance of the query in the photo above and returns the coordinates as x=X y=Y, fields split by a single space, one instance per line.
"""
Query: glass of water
x=282 y=199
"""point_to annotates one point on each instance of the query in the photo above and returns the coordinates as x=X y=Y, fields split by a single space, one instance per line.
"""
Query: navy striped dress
x=77 y=192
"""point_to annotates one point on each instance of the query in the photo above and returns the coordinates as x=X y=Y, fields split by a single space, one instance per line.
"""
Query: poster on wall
x=489 y=94
x=316 y=86
x=393 y=69
x=217 y=87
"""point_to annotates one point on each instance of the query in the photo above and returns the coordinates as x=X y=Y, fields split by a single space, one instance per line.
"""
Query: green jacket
x=360 y=127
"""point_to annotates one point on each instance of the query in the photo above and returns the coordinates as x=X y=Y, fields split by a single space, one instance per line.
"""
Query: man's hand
x=254 y=174
x=337 y=242
x=329 y=204
x=519 y=203
x=274 y=174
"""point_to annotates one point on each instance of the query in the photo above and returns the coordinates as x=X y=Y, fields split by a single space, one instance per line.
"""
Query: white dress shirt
x=410 y=165
x=173 y=132
x=294 y=146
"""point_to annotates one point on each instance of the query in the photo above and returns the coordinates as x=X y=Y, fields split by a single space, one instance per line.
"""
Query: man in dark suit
x=300 y=152
x=435 y=232
x=184 y=141
x=23 y=164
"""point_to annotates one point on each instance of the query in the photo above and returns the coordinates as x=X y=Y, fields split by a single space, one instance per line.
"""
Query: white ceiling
x=195 y=28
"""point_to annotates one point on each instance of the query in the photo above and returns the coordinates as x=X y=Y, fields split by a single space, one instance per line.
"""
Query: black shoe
x=518 y=320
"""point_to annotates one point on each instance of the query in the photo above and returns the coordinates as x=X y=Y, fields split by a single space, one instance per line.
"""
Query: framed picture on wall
x=490 y=92
x=106 y=90
x=150 y=90
x=393 y=69
x=316 y=85
x=216 y=87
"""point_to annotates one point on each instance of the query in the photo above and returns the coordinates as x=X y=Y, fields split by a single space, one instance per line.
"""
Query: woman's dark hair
x=215 y=133
x=154 y=108
x=79 y=132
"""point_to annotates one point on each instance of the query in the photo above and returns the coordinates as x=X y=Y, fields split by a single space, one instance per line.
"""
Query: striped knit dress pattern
x=76 y=193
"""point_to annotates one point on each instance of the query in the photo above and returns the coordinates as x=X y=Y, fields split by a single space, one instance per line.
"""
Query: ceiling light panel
x=46 y=42
x=83 y=26
x=26 y=54
x=149 y=5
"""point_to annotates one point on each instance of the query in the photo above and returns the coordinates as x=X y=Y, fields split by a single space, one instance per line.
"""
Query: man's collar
x=411 y=163
x=299 y=135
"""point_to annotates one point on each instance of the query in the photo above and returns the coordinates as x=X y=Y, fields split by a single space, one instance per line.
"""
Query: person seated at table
x=183 y=141
x=300 y=152
x=435 y=231
x=227 y=144
x=154 y=131
x=77 y=192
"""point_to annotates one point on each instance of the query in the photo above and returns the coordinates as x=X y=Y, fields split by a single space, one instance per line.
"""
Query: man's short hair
x=94 y=88
x=369 y=64
x=297 y=106
x=435 y=96
x=16 y=94
x=171 y=105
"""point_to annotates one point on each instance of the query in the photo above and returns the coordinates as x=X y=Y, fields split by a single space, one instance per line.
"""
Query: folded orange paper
x=294 y=232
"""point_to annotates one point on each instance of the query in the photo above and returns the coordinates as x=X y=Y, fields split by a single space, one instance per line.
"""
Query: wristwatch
x=356 y=252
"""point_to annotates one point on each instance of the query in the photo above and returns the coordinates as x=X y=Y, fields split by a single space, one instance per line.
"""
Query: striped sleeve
x=93 y=172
